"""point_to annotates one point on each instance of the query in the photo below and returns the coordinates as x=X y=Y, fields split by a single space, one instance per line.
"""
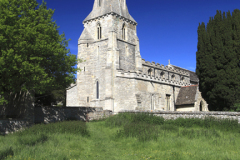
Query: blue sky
x=167 y=29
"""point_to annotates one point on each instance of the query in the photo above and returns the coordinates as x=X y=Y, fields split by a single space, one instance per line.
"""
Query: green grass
x=126 y=136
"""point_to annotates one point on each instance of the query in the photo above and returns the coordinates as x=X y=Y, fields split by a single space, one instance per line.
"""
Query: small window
x=84 y=69
x=99 y=3
x=173 y=77
x=124 y=32
x=87 y=44
x=168 y=102
x=162 y=75
x=183 y=79
x=99 y=30
x=97 y=90
x=87 y=99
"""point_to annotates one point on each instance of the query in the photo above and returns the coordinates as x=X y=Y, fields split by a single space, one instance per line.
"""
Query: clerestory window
x=150 y=72
x=162 y=75
x=183 y=79
x=99 y=30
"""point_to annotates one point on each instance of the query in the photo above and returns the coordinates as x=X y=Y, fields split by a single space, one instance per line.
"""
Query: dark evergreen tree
x=218 y=60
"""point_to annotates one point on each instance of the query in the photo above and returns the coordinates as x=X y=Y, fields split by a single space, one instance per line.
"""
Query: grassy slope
x=102 y=144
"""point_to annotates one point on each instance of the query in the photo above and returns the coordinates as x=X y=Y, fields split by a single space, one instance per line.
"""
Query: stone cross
x=169 y=62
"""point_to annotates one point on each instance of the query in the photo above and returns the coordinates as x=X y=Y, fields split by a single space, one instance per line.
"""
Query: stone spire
x=102 y=7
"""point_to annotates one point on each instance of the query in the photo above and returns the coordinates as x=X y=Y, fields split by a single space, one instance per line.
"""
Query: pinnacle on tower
x=102 y=7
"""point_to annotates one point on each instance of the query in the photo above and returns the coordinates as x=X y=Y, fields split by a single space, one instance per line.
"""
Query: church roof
x=109 y=6
x=187 y=95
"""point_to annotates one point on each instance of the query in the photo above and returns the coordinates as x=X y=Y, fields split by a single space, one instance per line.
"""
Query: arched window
x=124 y=32
x=97 y=90
x=99 y=30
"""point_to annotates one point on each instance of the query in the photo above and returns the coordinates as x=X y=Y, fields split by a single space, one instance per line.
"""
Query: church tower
x=108 y=43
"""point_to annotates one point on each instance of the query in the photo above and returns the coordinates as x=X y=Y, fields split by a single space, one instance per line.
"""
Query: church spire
x=102 y=7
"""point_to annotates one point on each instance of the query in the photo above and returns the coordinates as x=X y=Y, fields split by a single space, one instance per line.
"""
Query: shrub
x=6 y=152
x=236 y=107
x=118 y=120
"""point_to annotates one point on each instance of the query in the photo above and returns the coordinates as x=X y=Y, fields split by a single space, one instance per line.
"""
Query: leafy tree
x=33 y=55
x=218 y=58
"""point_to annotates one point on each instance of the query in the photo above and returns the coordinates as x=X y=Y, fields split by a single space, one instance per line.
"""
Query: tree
x=51 y=98
x=218 y=58
x=33 y=55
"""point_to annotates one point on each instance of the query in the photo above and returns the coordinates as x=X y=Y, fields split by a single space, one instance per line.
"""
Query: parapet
x=171 y=68
x=157 y=79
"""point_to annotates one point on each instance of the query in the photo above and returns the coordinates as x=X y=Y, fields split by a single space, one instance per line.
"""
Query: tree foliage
x=218 y=58
x=33 y=55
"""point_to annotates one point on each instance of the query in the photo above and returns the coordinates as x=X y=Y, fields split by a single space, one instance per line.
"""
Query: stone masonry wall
x=72 y=98
x=126 y=56
x=9 y=126
x=176 y=114
x=56 y=114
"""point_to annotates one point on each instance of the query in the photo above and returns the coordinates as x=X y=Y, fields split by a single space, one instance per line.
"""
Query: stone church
x=115 y=77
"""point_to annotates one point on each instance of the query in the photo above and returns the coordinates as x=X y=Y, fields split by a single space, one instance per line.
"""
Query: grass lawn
x=126 y=136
